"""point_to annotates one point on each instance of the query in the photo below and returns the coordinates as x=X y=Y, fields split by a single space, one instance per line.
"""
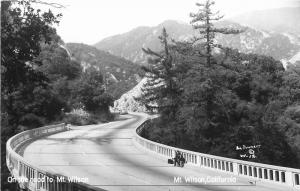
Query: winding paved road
x=106 y=156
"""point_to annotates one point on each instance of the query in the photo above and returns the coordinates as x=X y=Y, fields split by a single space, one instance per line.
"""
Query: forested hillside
x=214 y=99
x=120 y=74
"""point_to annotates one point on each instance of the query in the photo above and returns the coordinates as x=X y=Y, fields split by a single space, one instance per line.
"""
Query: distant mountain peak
x=258 y=40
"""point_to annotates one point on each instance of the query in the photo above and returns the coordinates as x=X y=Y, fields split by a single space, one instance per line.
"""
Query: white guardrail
x=28 y=175
x=31 y=177
x=256 y=171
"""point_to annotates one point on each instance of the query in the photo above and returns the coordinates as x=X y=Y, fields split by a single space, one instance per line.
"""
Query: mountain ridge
x=129 y=45
x=120 y=74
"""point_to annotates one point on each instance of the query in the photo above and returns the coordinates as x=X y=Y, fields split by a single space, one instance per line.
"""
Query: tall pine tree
x=160 y=92
x=203 y=22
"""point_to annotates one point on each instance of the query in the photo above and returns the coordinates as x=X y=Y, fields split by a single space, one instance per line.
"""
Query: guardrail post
x=235 y=168
x=289 y=178
x=35 y=176
x=19 y=168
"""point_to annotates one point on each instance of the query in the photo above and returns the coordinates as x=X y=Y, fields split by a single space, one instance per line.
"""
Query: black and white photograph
x=140 y=95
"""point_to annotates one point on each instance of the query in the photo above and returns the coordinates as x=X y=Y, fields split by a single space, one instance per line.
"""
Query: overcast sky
x=89 y=21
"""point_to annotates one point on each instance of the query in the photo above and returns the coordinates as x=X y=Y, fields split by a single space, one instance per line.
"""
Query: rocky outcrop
x=127 y=101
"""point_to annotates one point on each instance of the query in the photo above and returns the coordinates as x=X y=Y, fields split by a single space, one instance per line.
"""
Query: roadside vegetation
x=40 y=83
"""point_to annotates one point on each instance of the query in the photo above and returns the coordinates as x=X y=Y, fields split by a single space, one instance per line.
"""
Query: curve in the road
x=105 y=157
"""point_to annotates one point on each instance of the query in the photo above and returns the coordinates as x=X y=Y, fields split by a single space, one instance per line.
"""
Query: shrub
x=81 y=117
x=31 y=121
